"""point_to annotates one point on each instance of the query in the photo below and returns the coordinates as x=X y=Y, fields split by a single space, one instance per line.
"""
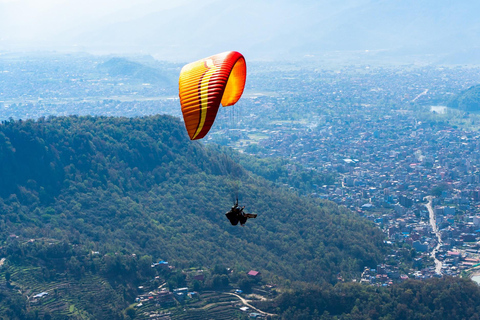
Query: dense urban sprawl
x=384 y=132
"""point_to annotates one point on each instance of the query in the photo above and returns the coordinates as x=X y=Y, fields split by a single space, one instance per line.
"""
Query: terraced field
x=92 y=297
x=210 y=305
x=61 y=295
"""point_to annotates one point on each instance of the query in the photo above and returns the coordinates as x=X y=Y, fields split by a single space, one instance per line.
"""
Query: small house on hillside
x=199 y=277
x=253 y=274
x=41 y=295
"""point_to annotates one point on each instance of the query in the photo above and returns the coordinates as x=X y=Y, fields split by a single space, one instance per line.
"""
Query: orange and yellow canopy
x=206 y=83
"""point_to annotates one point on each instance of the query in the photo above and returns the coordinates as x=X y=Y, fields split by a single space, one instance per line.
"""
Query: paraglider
x=207 y=83
x=203 y=86
x=236 y=215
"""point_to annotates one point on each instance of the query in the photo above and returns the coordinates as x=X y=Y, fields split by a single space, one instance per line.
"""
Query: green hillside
x=134 y=72
x=448 y=298
x=94 y=200
x=468 y=100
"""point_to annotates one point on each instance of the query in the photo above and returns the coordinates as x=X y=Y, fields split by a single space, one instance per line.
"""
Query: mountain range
x=352 y=30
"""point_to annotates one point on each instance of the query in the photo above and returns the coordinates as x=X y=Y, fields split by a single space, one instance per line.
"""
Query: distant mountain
x=468 y=100
x=87 y=203
x=352 y=31
x=121 y=67
x=373 y=29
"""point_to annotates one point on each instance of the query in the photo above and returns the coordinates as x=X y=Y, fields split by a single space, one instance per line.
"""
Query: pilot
x=236 y=215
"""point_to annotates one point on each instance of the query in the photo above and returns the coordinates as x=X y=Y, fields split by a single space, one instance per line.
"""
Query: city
x=383 y=133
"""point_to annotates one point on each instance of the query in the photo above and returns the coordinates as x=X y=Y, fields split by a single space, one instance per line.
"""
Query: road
x=433 y=223
x=421 y=94
x=246 y=302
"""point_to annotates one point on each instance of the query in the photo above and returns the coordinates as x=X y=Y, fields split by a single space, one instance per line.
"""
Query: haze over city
x=348 y=30
x=221 y=159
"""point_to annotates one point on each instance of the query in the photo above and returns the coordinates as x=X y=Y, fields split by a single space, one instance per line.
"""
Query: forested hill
x=468 y=100
x=140 y=186
x=137 y=72
x=446 y=298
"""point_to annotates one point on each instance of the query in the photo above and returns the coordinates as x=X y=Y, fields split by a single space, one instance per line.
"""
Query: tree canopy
x=119 y=186
x=468 y=100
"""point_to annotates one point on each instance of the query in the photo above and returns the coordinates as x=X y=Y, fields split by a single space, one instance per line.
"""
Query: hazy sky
x=23 y=20
x=263 y=29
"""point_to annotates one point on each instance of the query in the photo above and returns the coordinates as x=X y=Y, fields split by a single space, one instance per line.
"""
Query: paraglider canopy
x=206 y=83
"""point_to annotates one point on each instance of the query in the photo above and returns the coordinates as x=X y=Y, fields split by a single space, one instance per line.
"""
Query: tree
x=131 y=312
